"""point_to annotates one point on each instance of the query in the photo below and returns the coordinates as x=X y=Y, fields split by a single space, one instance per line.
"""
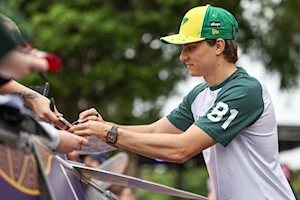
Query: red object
x=54 y=62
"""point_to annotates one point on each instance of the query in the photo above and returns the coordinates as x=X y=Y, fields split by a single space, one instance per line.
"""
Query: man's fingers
x=40 y=64
x=76 y=128
x=87 y=113
x=60 y=124
x=84 y=142
x=81 y=133
x=54 y=119
x=94 y=118
x=35 y=64
x=58 y=114
x=82 y=126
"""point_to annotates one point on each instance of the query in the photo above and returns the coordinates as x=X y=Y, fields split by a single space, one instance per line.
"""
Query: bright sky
x=290 y=157
x=286 y=104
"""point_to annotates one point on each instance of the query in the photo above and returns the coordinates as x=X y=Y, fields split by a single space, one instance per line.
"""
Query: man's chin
x=194 y=74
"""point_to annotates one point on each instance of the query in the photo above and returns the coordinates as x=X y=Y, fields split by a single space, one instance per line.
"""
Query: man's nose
x=183 y=57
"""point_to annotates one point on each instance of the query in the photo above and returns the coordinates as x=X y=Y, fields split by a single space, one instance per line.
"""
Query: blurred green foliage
x=112 y=57
x=194 y=179
x=191 y=179
x=277 y=38
x=295 y=182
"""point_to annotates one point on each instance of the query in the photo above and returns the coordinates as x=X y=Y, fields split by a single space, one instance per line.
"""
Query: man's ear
x=219 y=46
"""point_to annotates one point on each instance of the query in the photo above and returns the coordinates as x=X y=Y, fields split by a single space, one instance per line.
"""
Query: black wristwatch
x=112 y=135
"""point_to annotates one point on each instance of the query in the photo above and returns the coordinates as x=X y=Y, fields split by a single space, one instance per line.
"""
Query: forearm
x=13 y=87
x=160 y=126
x=170 y=143
x=163 y=145
x=134 y=128
x=168 y=147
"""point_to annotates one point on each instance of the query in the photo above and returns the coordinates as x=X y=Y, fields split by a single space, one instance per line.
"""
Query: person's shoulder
x=245 y=81
x=242 y=84
x=199 y=88
x=190 y=97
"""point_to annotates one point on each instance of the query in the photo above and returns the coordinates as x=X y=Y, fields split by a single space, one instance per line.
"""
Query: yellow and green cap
x=204 y=22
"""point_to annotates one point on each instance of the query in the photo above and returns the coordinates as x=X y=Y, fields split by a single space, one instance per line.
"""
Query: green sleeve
x=182 y=117
x=236 y=107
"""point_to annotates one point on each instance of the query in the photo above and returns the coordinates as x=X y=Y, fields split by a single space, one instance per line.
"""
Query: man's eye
x=190 y=48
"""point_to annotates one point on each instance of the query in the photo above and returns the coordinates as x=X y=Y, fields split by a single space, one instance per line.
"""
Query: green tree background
x=113 y=59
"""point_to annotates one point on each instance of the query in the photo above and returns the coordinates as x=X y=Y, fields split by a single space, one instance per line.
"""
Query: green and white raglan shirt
x=239 y=115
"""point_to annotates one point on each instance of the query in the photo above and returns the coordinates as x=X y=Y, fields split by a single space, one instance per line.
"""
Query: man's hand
x=69 y=142
x=40 y=105
x=91 y=128
x=90 y=115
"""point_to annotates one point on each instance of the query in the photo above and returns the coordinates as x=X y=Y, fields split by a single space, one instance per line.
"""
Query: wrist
x=112 y=135
x=29 y=98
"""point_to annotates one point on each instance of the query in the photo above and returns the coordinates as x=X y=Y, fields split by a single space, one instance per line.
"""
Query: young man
x=230 y=118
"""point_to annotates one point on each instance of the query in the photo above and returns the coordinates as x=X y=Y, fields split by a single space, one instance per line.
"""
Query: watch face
x=111 y=137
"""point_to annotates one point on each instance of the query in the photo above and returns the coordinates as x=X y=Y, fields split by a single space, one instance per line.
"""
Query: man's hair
x=230 y=51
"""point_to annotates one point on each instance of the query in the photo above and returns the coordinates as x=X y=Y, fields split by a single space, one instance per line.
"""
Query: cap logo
x=214 y=32
x=215 y=24
x=184 y=21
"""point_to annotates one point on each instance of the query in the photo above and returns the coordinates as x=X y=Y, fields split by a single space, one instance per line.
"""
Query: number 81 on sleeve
x=218 y=113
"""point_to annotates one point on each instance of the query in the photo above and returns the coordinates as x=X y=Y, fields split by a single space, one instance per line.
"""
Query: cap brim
x=180 y=39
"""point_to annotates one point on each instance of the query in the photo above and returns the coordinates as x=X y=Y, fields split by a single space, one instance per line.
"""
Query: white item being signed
x=89 y=173
x=96 y=146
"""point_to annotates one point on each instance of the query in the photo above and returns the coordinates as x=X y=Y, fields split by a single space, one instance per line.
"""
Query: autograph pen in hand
x=84 y=119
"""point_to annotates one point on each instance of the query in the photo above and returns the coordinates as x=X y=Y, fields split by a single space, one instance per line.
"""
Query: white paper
x=132 y=182
x=96 y=146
